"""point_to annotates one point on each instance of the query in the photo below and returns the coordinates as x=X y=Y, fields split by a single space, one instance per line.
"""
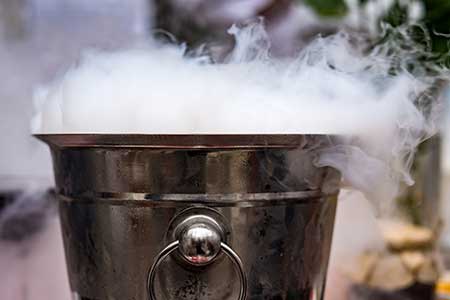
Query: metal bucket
x=194 y=216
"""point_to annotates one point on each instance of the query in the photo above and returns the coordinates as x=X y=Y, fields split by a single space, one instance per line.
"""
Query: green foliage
x=328 y=8
x=397 y=16
x=437 y=19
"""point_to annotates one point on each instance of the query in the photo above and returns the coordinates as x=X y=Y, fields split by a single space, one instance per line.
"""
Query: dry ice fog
x=378 y=101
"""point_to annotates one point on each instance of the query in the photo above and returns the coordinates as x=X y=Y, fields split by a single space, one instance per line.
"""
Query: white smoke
x=333 y=87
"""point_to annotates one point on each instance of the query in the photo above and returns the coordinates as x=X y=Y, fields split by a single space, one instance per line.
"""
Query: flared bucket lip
x=179 y=141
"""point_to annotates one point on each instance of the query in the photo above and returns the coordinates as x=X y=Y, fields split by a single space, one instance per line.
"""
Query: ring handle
x=175 y=245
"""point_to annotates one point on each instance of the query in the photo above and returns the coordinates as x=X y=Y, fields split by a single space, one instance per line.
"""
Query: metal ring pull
x=199 y=242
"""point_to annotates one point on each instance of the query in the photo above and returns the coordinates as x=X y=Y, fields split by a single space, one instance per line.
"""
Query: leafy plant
x=328 y=8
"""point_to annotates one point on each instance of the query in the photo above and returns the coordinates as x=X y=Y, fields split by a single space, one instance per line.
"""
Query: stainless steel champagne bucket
x=194 y=216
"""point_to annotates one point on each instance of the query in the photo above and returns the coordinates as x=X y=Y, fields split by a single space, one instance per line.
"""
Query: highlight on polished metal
x=204 y=217
x=200 y=238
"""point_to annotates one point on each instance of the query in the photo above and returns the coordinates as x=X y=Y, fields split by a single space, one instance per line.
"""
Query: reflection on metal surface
x=275 y=223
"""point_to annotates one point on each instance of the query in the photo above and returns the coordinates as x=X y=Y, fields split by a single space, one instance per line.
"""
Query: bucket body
x=194 y=217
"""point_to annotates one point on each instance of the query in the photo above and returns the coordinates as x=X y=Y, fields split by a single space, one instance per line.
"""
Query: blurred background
x=39 y=39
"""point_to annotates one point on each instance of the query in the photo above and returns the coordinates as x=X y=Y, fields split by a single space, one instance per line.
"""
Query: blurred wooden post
x=13 y=19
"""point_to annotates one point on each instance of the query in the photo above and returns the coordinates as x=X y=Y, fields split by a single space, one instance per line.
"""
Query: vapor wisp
x=333 y=86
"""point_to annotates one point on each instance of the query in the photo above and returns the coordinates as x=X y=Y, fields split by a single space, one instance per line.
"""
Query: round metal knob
x=200 y=244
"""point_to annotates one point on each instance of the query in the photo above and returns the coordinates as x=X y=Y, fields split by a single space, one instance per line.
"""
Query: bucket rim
x=179 y=141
